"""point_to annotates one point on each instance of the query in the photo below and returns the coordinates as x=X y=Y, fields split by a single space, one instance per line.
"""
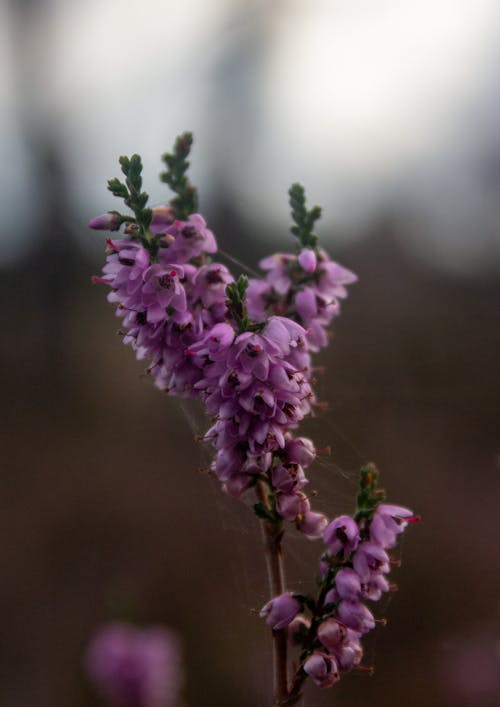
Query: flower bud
x=163 y=216
x=323 y=669
x=313 y=525
x=110 y=221
x=331 y=632
x=280 y=611
x=307 y=260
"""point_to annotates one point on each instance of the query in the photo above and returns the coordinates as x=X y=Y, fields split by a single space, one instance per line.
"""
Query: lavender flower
x=165 y=306
x=331 y=633
x=255 y=394
x=135 y=667
x=323 y=669
x=306 y=287
x=352 y=570
x=185 y=240
x=280 y=611
x=388 y=521
x=342 y=534
x=307 y=260
x=109 y=221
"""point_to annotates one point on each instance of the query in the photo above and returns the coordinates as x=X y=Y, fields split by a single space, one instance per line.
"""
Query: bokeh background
x=389 y=112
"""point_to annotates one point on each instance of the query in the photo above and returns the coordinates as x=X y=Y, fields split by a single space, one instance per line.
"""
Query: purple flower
x=210 y=285
x=110 y=221
x=333 y=277
x=374 y=587
x=355 y=615
x=162 y=288
x=163 y=216
x=307 y=260
x=215 y=343
x=349 y=653
x=323 y=669
x=255 y=396
x=331 y=597
x=280 y=611
x=370 y=558
x=300 y=450
x=311 y=299
x=388 y=521
x=331 y=632
x=288 y=477
x=342 y=534
x=186 y=240
x=313 y=524
x=258 y=292
x=348 y=583
x=292 y=505
x=135 y=667
x=278 y=267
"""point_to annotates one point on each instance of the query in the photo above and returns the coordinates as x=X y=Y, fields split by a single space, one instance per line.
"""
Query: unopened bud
x=280 y=611
x=109 y=221
x=307 y=260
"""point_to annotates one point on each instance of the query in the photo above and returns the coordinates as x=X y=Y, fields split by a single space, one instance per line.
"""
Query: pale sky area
x=373 y=104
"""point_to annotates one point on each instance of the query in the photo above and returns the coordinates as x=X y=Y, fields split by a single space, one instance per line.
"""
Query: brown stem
x=272 y=534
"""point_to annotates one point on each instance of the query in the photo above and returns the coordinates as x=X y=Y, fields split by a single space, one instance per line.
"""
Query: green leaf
x=304 y=220
x=186 y=201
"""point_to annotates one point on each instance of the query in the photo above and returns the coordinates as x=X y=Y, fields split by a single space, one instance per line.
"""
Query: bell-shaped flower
x=322 y=668
x=342 y=534
x=280 y=611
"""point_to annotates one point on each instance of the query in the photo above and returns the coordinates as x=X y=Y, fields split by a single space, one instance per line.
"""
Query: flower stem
x=272 y=535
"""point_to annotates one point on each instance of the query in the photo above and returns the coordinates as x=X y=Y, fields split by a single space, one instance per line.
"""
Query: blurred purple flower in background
x=135 y=667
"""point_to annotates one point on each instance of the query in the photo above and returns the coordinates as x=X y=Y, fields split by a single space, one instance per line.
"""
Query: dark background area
x=104 y=510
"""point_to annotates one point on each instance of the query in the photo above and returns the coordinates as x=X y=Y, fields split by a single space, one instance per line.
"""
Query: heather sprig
x=353 y=569
x=186 y=201
x=244 y=347
x=306 y=286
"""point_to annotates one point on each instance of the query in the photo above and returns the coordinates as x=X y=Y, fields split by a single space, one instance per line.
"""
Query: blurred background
x=389 y=112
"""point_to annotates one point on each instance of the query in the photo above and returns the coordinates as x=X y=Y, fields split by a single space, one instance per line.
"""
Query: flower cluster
x=168 y=295
x=135 y=667
x=253 y=389
x=353 y=570
x=202 y=336
x=306 y=287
